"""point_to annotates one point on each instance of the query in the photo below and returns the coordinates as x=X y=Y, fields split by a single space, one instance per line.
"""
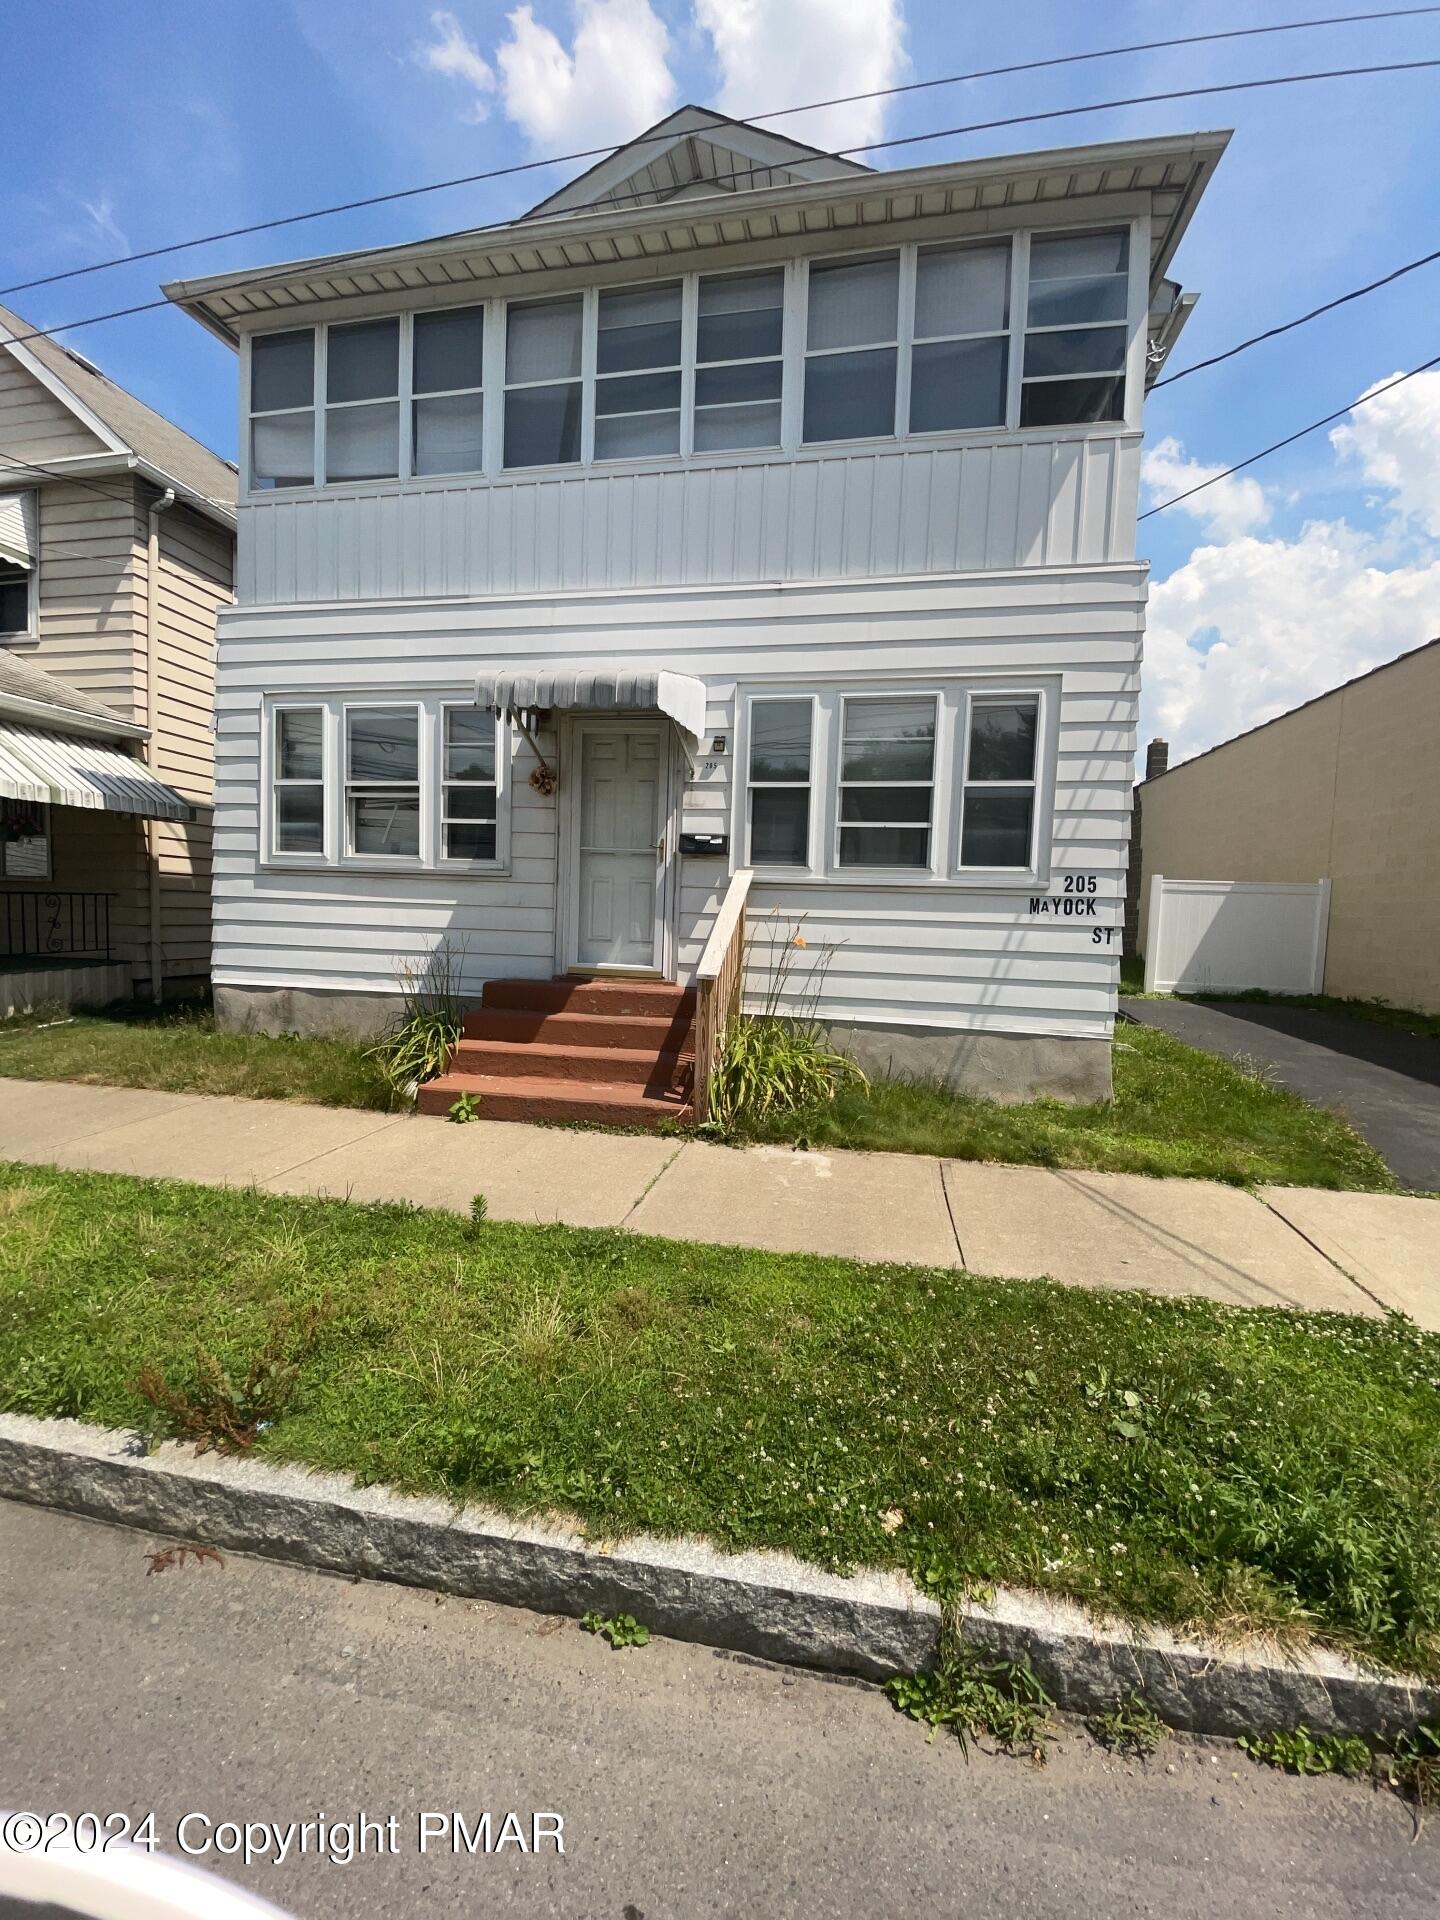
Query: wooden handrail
x=717 y=985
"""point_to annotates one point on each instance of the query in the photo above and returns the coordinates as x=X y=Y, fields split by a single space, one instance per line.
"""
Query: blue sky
x=1328 y=562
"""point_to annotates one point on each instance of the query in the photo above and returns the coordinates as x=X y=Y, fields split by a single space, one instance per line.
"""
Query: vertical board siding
x=857 y=515
x=951 y=957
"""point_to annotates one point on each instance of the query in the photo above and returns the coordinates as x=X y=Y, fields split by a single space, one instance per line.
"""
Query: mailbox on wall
x=717 y=844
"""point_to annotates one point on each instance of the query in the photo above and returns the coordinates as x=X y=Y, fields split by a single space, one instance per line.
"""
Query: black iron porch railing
x=55 y=926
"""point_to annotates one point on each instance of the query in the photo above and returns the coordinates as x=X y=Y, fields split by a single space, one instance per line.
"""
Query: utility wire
x=1288 y=326
x=254 y=282
x=1290 y=439
x=779 y=113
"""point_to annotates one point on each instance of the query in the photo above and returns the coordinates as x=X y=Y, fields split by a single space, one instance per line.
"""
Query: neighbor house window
x=997 y=823
x=362 y=401
x=542 y=383
x=851 y=348
x=780 y=763
x=887 y=781
x=960 y=358
x=739 y=333
x=19 y=551
x=447 y=410
x=1076 y=329
x=299 y=780
x=382 y=781
x=25 y=850
x=469 y=790
x=282 y=409
x=637 y=372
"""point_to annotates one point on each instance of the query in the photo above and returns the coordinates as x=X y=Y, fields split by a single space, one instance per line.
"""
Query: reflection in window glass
x=739 y=334
x=469 y=791
x=299 y=780
x=542 y=369
x=637 y=367
x=780 y=752
x=382 y=771
x=997 y=822
x=449 y=415
x=1074 y=368
x=850 y=356
x=282 y=408
x=959 y=364
x=887 y=775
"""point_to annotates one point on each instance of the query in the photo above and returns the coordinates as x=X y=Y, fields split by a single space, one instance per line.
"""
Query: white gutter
x=40 y=713
x=64 y=466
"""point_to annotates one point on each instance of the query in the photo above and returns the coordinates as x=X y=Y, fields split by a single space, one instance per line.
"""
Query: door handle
x=660 y=850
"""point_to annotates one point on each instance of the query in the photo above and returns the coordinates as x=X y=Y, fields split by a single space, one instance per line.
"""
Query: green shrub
x=417 y=1047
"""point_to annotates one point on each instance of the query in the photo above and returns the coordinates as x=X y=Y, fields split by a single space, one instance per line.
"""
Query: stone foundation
x=1008 y=1067
x=305 y=1010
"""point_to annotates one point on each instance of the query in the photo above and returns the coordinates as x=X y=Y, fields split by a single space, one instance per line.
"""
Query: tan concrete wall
x=1347 y=788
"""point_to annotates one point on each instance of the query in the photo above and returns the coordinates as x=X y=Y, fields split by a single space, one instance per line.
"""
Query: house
x=1344 y=789
x=738 y=517
x=116 y=549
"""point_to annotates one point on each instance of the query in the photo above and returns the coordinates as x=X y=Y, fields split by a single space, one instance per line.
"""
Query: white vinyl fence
x=1222 y=936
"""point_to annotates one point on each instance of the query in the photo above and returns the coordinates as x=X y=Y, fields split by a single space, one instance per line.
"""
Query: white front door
x=619 y=847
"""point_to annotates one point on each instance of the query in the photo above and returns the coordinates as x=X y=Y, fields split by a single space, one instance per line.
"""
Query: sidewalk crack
x=1330 y=1260
x=649 y=1186
x=950 y=1212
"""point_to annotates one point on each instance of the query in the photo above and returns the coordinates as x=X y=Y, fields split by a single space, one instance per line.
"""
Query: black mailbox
x=712 y=843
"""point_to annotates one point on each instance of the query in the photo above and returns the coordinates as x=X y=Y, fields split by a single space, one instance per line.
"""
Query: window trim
x=792 y=447
x=953 y=694
x=904 y=311
x=812 y=787
x=350 y=787
x=335 y=855
x=294 y=856
x=975 y=697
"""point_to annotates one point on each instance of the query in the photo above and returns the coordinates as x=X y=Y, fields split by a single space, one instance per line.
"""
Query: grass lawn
x=1166 y=1458
x=182 y=1051
x=1176 y=1111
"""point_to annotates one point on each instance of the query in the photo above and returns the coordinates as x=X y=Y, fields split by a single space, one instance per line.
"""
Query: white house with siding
x=738 y=511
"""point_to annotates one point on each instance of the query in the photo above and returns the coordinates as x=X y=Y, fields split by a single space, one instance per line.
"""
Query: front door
x=619 y=849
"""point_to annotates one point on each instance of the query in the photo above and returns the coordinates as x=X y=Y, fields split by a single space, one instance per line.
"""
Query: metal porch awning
x=63 y=770
x=679 y=695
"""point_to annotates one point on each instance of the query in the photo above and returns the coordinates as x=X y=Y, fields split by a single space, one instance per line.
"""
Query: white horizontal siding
x=864 y=514
x=926 y=955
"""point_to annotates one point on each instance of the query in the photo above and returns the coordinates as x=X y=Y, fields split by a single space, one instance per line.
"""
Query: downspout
x=152 y=741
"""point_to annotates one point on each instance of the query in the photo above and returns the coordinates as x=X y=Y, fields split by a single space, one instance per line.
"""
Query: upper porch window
x=1026 y=331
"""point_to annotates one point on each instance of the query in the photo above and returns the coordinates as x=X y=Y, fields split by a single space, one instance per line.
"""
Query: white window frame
x=249 y=416
x=899 y=346
x=681 y=283
x=1006 y=333
x=813 y=791
x=1021 y=330
x=335 y=854
x=290 y=856
x=693 y=365
x=953 y=695
x=411 y=396
x=793 y=355
x=400 y=400
x=863 y=696
x=350 y=788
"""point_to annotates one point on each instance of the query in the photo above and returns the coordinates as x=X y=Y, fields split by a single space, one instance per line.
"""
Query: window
x=447 y=351
x=637 y=372
x=738 y=340
x=362 y=401
x=19 y=548
x=960 y=359
x=382 y=781
x=1076 y=329
x=468 y=787
x=851 y=348
x=542 y=383
x=780 y=749
x=14 y=599
x=299 y=780
x=25 y=848
x=887 y=781
x=282 y=409
x=998 y=817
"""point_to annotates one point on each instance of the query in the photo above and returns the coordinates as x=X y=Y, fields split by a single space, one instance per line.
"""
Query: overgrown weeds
x=418 y=1045
x=220 y=1409
x=619 y=1629
x=1131 y=1727
x=974 y=1697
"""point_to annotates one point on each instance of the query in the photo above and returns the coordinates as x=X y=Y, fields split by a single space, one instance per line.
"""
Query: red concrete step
x=594 y=1102
x=529 y=1060
x=618 y=998
x=520 y=1026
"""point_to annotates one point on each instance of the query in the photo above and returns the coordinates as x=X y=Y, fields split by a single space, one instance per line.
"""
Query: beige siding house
x=1345 y=789
x=116 y=550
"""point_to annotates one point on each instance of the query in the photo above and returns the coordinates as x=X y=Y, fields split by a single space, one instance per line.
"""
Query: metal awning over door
x=680 y=696
x=64 y=770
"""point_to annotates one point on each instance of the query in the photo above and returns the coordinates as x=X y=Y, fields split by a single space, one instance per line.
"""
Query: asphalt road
x=1385 y=1082
x=689 y=1784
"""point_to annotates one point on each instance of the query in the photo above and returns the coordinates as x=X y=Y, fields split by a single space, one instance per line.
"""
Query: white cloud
x=455 y=55
x=1249 y=627
x=1395 y=437
x=101 y=213
x=1232 y=506
x=613 y=81
x=832 y=47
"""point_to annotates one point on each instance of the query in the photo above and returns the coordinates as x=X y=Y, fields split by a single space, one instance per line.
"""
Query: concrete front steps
x=610 y=1052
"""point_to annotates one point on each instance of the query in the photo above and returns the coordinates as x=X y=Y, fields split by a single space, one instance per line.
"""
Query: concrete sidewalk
x=1294 y=1247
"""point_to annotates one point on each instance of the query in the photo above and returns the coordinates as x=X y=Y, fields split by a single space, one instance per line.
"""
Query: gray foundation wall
x=999 y=1066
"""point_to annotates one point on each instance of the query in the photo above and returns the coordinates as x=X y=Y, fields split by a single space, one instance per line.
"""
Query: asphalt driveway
x=1386 y=1083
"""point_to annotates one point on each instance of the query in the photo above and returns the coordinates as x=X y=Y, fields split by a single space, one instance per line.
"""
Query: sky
x=1266 y=589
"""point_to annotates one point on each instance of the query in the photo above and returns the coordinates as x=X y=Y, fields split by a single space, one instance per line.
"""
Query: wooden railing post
x=718 y=981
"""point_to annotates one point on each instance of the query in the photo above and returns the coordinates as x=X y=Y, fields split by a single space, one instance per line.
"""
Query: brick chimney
x=1157 y=758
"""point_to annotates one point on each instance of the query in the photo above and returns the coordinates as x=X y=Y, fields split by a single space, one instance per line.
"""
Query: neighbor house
x=738 y=517
x=116 y=548
x=1343 y=790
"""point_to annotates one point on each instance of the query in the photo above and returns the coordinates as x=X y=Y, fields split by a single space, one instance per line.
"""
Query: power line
x=778 y=113
x=253 y=282
x=1288 y=326
x=1290 y=439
